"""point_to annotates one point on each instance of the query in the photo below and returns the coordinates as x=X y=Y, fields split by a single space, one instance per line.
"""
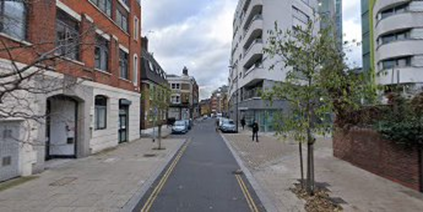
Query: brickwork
x=366 y=149
x=41 y=36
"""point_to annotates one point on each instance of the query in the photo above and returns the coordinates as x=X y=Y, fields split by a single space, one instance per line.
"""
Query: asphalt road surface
x=201 y=177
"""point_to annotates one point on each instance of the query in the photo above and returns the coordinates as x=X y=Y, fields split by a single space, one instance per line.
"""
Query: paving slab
x=274 y=164
x=106 y=181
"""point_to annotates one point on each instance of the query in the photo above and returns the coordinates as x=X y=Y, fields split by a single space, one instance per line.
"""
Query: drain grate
x=63 y=181
x=150 y=155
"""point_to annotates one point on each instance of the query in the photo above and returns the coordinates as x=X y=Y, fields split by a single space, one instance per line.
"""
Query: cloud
x=352 y=31
x=198 y=37
x=198 y=34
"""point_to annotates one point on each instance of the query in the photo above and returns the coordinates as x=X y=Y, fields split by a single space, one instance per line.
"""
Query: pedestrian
x=217 y=125
x=255 y=130
x=243 y=122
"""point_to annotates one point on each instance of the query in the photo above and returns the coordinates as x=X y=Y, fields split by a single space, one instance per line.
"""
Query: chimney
x=144 y=43
x=185 y=71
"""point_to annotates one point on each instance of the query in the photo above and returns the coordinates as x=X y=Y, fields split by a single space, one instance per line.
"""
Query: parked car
x=221 y=119
x=228 y=126
x=180 y=127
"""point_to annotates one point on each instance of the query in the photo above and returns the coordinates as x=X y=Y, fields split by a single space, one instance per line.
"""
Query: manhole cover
x=64 y=181
x=149 y=155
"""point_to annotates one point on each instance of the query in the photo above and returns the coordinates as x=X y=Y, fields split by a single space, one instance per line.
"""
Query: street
x=201 y=177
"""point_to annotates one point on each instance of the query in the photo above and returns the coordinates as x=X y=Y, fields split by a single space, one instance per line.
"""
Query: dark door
x=123 y=123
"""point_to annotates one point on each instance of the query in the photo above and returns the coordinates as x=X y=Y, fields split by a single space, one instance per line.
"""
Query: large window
x=102 y=53
x=392 y=11
x=67 y=35
x=135 y=70
x=123 y=64
x=403 y=35
x=395 y=63
x=100 y=112
x=122 y=19
x=104 y=5
x=13 y=18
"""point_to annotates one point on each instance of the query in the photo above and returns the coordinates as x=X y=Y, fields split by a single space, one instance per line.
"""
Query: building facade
x=205 y=107
x=184 y=96
x=84 y=57
x=155 y=89
x=249 y=67
x=330 y=12
x=392 y=44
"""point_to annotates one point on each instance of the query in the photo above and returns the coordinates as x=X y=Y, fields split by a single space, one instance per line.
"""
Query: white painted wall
x=107 y=138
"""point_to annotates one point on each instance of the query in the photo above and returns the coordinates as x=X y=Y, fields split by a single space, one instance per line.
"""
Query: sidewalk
x=275 y=165
x=150 y=132
x=108 y=181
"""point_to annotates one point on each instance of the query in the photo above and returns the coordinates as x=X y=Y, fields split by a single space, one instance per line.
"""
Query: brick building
x=184 y=102
x=85 y=55
x=155 y=87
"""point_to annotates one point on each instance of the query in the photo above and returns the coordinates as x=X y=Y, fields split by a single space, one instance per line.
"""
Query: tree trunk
x=300 y=145
x=310 y=163
x=160 y=136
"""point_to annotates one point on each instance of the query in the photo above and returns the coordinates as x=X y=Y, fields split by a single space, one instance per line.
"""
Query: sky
x=198 y=34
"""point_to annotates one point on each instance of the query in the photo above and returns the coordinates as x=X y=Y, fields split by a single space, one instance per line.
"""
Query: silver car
x=180 y=127
x=228 y=126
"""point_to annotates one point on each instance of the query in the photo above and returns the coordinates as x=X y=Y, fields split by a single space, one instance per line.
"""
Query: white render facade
x=249 y=66
x=398 y=34
x=67 y=129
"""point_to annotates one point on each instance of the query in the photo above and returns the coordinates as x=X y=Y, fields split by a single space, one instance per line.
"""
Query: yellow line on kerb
x=163 y=180
x=247 y=195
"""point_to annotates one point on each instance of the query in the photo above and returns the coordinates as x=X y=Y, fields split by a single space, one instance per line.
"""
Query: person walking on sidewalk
x=243 y=122
x=255 y=130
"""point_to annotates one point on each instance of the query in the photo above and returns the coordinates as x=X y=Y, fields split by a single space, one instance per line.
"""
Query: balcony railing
x=256 y=17
x=258 y=40
x=255 y=66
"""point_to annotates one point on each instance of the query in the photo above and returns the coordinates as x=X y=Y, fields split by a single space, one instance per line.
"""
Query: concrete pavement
x=275 y=166
x=109 y=181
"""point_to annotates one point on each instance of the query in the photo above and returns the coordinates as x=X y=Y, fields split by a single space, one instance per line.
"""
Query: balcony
x=408 y=74
x=256 y=23
x=253 y=54
x=257 y=41
x=398 y=22
x=399 y=48
x=255 y=8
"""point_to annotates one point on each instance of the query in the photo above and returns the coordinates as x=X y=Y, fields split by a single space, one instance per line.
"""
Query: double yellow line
x=163 y=180
x=246 y=193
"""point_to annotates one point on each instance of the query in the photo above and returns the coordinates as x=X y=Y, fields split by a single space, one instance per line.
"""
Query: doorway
x=123 y=120
x=61 y=127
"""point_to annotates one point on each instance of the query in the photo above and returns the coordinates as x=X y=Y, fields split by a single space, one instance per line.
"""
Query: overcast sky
x=198 y=34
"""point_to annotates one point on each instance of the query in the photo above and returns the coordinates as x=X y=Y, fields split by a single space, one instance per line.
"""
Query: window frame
x=123 y=64
x=122 y=19
x=66 y=23
x=135 y=69
x=23 y=19
x=102 y=45
x=97 y=109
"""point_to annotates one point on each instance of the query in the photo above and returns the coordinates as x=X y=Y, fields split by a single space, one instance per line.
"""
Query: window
x=67 y=35
x=123 y=64
x=175 y=86
x=13 y=18
x=135 y=74
x=104 y=5
x=100 y=112
x=136 y=28
x=176 y=99
x=396 y=63
x=392 y=11
x=403 y=35
x=126 y=2
x=122 y=19
x=102 y=53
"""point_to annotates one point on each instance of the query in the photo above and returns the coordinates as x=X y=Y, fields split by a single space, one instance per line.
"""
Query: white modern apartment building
x=398 y=44
x=249 y=66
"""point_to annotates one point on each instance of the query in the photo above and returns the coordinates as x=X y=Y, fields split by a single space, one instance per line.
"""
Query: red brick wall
x=41 y=30
x=366 y=149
